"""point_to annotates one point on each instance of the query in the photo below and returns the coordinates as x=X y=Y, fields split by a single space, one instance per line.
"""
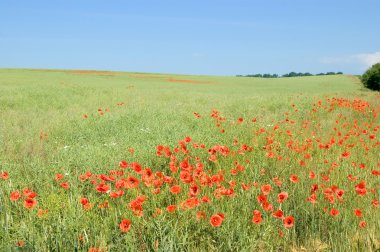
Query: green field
x=72 y=122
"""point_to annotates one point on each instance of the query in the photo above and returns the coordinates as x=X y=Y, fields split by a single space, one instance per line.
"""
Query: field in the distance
x=121 y=161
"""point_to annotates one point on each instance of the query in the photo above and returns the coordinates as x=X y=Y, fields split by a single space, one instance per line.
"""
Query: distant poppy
x=281 y=197
x=30 y=203
x=278 y=214
x=334 y=212
x=65 y=185
x=103 y=188
x=176 y=189
x=289 y=221
x=216 y=220
x=358 y=212
x=362 y=224
x=15 y=195
x=256 y=219
x=125 y=225
x=294 y=178
x=171 y=208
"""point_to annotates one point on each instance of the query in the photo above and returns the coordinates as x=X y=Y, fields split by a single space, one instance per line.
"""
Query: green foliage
x=43 y=132
x=371 y=78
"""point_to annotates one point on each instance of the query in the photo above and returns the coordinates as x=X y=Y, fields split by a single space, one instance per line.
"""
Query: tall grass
x=58 y=125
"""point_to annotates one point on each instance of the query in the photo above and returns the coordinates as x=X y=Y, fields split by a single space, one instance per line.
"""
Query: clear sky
x=212 y=37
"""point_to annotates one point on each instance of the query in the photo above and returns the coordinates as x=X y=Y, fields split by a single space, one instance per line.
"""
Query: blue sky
x=211 y=37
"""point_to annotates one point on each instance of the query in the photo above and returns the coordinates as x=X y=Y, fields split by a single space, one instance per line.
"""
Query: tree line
x=291 y=74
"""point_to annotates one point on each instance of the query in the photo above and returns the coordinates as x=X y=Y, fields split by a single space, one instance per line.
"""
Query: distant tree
x=339 y=73
x=371 y=78
x=320 y=74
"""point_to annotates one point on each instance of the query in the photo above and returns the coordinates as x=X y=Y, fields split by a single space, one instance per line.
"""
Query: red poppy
x=176 y=189
x=29 y=193
x=116 y=194
x=123 y=164
x=256 y=219
x=201 y=215
x=375 y=203
x=20 y=243
x=171 y=208
x=65 y=185
x=281 y=197
x=125 y=225
x=84 y=201
x=267 y=206
x=346 y=154
x=312 y=199
x=58 y=176
x=132 y=182
x=261 y=199
x=278 y=214
x=294 y=178
x=334 y=212
x=30 y=203
x=15 y=195
x=205 y=199
x=103 y=188
x=266 y=189
x=362 y=224
x=136 y=167
x=312 y=175
x=289 y=221
x=216 y=220
x=358 y=212
x=193 y=190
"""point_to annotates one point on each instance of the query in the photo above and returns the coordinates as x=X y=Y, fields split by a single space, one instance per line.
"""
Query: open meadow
x=119 y=161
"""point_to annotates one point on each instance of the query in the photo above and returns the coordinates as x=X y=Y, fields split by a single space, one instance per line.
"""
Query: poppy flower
x=362 y=224
x=375 y=203
x=281 y=197
x=201 y=215
x=123 y=164
x=125 y=225
x=176 y=189
x=65 y=185
x=267 y=206
x=346 y=154
x=278 y=214
x=171 y=208
x=261 y=199
x=84 y=201
x=294 y=178
x=4 y=175
x=29 y=193
x=288 y=221
x=30 y=203
x=266 y=189
x=205 y=199
x=358 y=212
x=216 y=220
x=334 y=212
x=58 y=176
x=15 y=195
x=312 y=175
x=256 y=219
x=132 y=182
x=103 y=188
x=136 y=167
x=20 y=243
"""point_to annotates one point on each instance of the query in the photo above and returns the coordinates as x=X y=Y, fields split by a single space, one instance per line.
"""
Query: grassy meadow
x=119 y=161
